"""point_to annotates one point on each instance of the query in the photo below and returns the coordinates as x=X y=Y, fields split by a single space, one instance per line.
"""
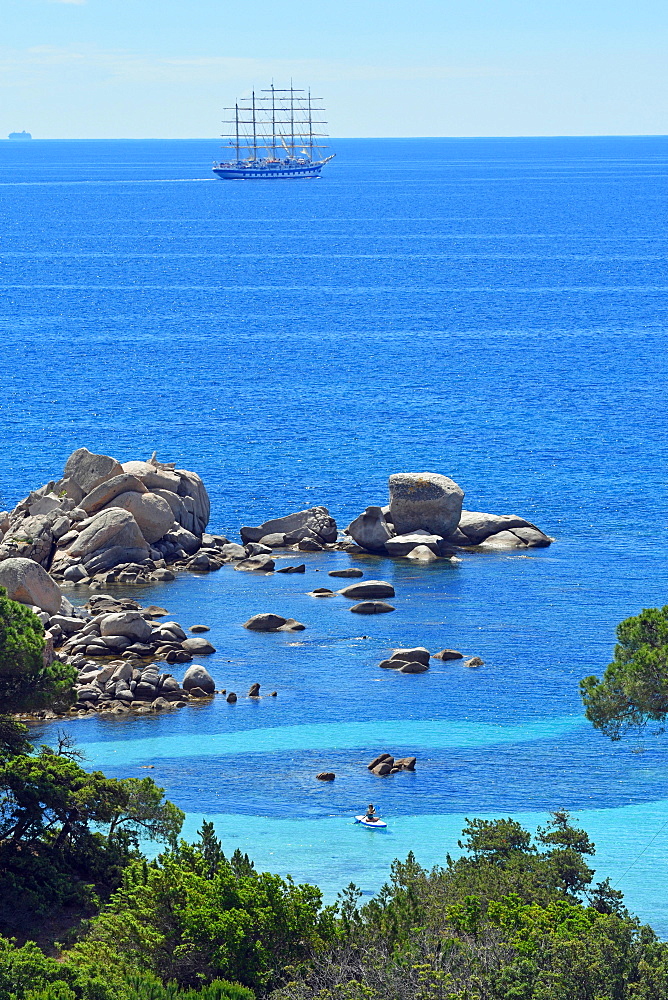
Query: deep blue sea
x=491 y=309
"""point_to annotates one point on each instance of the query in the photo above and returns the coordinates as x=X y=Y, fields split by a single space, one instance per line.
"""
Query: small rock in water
x=321 y=592
x=423 y=554
x=474 y=661
x=254 y=691
x=369 y=588
x=346 y=573
x=449 y=654
x=231 y=698
x=326 y=776
x=372 y=608
x=291 y=625
x=154 y=611
x=265 y=623
x=383 y=769
x=198 y=692
x=301 y=568
x=199 y=628
x=198 y=647
x=256 y=564
x=419 y=653
x=413 y=667
x=309 y=545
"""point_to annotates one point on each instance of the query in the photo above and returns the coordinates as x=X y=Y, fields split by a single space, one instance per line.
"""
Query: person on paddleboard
x=370 y=814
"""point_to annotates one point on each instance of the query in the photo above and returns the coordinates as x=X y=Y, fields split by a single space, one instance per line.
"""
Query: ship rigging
x=273 y=137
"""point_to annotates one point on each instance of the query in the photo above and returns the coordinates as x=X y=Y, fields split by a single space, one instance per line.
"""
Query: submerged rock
x=372 y=608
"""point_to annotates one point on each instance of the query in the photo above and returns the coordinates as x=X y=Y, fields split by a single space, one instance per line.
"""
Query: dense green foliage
x=27 y=974
x=67 y=834
x=634 y=687
x=26 y=683
x=193 y=914
x=512 y=919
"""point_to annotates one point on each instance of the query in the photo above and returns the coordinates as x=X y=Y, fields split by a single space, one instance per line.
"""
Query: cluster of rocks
x=424 y=521
x=106 y=626
x=367 y=589
x=253 y=692
x=267 y=622
x=385 y=764
x=273 y=623
x=308 y=530
x=416 y=659
x=109 y=522
x=109 y=642
x=408 y=661
x=122 y=686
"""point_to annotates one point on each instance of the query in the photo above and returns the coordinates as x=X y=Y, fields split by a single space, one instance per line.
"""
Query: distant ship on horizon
x=273 y=137
x=19 y=135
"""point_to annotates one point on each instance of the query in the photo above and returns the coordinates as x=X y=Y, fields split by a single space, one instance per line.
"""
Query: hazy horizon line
x=357 y=138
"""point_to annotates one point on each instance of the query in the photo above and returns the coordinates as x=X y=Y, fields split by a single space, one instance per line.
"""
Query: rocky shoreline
x=105 y=523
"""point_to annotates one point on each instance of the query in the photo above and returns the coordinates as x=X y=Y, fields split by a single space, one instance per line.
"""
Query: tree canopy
x=27 y=682
x=66 y=834
x=634 y=688
x=506 y=921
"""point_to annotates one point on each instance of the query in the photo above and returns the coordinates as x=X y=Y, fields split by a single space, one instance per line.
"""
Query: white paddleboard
x=378 y=824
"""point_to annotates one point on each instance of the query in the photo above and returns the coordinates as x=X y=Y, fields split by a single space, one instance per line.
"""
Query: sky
x=167 y=68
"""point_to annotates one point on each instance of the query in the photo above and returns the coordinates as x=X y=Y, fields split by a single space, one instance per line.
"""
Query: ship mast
x=292 y=121
x=273 y=122
x=254 y=131
x=236 y=119
x=310 y=127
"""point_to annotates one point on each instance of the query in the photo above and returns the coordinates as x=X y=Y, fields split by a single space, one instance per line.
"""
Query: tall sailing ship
x=273 y=137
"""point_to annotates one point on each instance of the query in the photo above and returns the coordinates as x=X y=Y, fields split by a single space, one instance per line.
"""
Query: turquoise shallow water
x=491 y=309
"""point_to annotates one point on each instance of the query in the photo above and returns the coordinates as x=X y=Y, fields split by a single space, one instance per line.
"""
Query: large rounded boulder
x=425 y=500
x=126 y=623
x=371 y=529
x=103 y=494
x=110 y=527
x=27 y=582
x=199 y=677
x=152 y=513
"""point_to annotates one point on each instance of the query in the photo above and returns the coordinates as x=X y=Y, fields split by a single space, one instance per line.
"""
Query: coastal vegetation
x=634 y=688
x=85 y=915
x=28 y=682
x=515 y=916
